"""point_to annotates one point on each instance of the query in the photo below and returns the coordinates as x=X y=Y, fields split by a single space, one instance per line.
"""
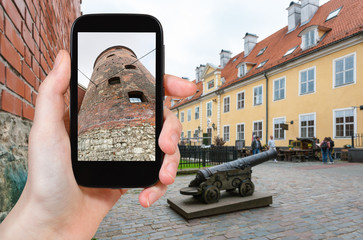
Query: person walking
x=271 y=145
x=256 y=145
x=324 y=146
x=330 y=151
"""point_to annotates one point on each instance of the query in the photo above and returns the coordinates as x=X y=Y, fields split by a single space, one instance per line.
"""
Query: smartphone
x=116 y=106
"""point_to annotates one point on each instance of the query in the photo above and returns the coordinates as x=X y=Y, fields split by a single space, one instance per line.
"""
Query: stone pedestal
x=189 y=207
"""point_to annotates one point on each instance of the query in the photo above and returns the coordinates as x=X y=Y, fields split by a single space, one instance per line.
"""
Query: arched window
x=130 y=66
x=136 y=97
x=114 y=80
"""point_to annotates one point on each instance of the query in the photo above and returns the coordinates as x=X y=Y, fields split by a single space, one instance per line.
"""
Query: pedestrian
x=271 y=145
x=256 y=145
x=324 y=146
x=331 y=150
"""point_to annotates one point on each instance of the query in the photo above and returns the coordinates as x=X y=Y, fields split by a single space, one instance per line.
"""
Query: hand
x=52 y=205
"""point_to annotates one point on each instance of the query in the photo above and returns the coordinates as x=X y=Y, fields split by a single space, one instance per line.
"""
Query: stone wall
x=128 y=143
x=13 y=159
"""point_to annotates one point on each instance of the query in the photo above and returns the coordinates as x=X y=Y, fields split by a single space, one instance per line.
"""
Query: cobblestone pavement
x=310 y=201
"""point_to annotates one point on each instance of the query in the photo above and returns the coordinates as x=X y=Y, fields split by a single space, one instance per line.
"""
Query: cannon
x=229 y=176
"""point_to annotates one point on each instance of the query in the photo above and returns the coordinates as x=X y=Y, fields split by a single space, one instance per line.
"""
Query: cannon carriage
x=230 y=176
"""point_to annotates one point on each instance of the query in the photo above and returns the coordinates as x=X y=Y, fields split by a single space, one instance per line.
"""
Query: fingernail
x=175 y=139
x=171 y=169
x=58 y=59
x=152 y=198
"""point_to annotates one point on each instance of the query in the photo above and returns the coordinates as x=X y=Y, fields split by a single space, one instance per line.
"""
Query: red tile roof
x=347 y=23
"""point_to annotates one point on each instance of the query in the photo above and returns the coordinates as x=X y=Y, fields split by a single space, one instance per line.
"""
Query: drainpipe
x=265 y=74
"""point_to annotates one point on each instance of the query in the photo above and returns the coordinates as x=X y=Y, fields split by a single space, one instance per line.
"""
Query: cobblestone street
x=310 y=201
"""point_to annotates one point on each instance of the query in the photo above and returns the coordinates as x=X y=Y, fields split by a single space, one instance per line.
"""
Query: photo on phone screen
x=116 y=120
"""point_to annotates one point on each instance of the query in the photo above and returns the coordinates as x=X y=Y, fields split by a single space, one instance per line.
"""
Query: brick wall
x=31 y=34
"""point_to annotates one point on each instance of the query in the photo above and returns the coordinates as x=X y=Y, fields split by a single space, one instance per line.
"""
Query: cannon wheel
x=211 y=194
x=246 y=188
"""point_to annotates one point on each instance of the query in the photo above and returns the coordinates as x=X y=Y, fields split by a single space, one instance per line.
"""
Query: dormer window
x=262 y=64
x=130 y=66
x=309 y=39
x=114 y=80
x=242 y=69
x=291 y=50
x=137 y=97
x=333 y=14
x=261 y=51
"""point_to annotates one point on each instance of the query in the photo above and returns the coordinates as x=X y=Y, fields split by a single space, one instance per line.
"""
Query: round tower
x=116 y=121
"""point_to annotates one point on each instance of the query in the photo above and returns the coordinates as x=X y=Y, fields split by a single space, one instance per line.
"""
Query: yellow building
x=305 y=76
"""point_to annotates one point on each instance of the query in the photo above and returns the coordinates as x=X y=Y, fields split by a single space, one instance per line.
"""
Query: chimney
x=198 y=72
x=225 y=55
x=294 y=16
x=308 y=9
x=250 y=43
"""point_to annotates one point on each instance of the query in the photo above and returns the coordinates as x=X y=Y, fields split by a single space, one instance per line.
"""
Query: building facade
x=304 y=77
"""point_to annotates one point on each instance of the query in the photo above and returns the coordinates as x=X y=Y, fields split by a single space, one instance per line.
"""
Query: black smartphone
x=116 y=100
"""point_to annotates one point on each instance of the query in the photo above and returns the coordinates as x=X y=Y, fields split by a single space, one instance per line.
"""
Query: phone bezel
x=116 y=174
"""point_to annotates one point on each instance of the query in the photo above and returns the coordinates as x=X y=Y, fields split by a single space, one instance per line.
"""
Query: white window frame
x=244 y=99
x=196 y=133
x=253 y=96
x=224 y=133
x=253 y=128
x=306 y=114
x=189 y=115
x=307 y=70
x=334 y=122
x=273 y=89
x=242 y=69
x=244 y=131
x=210 y=82
x=189 y=134
x=196 y=113
x=211 y=109
x=354 y=70
x=282 y=119
x=226 y=105
x=182 y=117
x=305 y=43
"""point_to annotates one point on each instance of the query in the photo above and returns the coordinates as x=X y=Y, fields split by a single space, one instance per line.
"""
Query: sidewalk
x=311 y=201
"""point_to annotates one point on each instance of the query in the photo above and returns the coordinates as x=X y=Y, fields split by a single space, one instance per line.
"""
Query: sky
x=195 y=31
x=90 y=45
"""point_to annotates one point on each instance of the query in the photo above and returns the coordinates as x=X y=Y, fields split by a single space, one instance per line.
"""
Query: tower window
x=130 y=66
x=137 y=97
x=114 y=80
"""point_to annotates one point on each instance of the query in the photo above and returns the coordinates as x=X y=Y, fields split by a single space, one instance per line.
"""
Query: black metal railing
x=197 y=157
x=357 y=140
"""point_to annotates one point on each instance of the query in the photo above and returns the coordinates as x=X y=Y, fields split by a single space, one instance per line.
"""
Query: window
x=182 y=135
x=110 y=55
x=172 y=102
x=177 y=115
x=307 y=81
x=226 y=101
x=130 y=66
x=189 y=115
x=344 y=120
x=241 y=131
x=196 y=114
x=257 y=129
x=210 y=84
x=114 y=80
x=291 y=50
x=261 y=51
x=257 y=95
x=309 y=39
x=226 y=133
x=209 y=131
x=344 y=70
x=196 y=133
x=234 y=60
x=307 y=125
x=279 y=89
x=189 y=134
x=209 y=109
x=241 y=100
x=242 y=69
x=262 y=64
x=333 y=14
x=182 y=117
x=279 y=133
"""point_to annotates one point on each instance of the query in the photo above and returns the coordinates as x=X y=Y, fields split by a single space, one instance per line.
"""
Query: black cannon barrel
x=250 y=161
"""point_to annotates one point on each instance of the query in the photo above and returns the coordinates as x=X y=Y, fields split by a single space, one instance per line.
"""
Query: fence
x=197 y=157
x=357 y=140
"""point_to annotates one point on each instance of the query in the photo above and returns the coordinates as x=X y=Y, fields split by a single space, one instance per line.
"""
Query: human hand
x=52 y=205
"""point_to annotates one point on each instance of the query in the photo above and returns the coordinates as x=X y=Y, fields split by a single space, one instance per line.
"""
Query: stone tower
x=116 y=121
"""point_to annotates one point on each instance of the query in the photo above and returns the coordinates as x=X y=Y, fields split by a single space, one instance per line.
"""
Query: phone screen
x=116 y=118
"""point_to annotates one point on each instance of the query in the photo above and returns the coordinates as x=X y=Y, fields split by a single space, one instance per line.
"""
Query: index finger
x=177 y=87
